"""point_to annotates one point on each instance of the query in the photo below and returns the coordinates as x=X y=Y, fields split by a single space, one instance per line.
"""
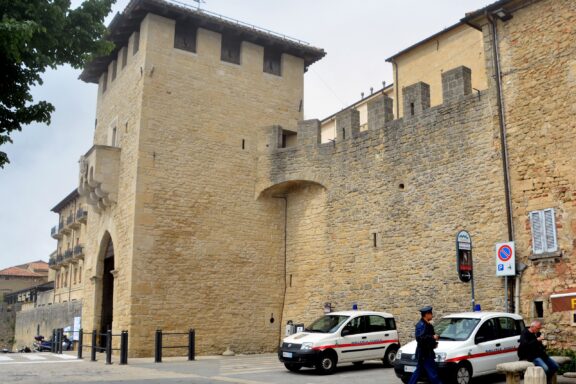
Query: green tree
x=36 y=35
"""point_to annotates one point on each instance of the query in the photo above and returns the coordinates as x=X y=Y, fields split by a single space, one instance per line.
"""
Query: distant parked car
x=338 y=337
x=471 y=344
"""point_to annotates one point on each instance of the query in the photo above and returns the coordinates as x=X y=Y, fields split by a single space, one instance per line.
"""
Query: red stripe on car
x=468 y=357
x=323 y=347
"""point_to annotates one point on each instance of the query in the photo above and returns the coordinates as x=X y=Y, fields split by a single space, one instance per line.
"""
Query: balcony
x=99 y=170
x=81 y=215
x=66 y=227
x=67 y=257
x=78 y=253
x=55 y=232
x=52 y=263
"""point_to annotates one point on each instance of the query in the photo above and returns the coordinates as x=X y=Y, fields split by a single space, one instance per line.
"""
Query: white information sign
x=505 y=259
x=76 y=334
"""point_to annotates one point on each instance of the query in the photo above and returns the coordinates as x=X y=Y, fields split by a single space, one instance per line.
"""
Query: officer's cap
x=425 y=310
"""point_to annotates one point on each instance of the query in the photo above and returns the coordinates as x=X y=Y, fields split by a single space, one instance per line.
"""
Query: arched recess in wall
x=106 y=289
x=303 y=218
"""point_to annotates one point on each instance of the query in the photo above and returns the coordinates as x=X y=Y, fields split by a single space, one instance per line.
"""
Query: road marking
x=64 y=357
x=41 y=362
x=235 y=380
x=33 y=357
x=5 y=358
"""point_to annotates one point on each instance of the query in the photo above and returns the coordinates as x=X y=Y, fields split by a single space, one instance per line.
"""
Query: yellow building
x=67 y=263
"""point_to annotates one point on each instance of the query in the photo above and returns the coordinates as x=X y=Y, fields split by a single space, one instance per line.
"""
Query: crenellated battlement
x=425 y=137
x=456 y=87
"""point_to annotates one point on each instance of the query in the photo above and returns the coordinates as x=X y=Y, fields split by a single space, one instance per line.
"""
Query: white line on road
x=5 y=358
x=33 y=357
x=40 y=362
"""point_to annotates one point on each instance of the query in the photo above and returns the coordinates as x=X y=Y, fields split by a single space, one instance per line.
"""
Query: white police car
x=471 y=344
x=338 y=337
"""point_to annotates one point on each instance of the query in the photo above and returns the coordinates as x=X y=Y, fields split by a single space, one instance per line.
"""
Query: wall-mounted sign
x=563 y=301
x=505 y=259
x=464 y=265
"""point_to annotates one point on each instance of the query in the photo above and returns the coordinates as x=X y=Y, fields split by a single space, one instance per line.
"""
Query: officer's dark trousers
x=429 y=366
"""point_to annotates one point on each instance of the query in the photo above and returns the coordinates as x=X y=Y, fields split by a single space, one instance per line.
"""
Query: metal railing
x=158 y=345
x=108 y=348
x=238 y=22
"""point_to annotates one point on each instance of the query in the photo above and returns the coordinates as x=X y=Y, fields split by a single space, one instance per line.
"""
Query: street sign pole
x=505 y=266
x=506 y=294
x=473 y=300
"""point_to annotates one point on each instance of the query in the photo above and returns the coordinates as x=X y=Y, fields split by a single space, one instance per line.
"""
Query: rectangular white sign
x=505 y=259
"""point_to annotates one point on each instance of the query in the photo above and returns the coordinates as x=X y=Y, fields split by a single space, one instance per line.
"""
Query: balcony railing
x=54 y=232
x=78 y=252
x=81 y=215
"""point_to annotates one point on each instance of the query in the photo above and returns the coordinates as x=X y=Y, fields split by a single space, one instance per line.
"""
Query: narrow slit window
x=230 y=49
x=411 y=109
x=136 y=44
x=272 y=62
x=185 y=36
x=114 y=69
x=104 y=82
x=124 y=57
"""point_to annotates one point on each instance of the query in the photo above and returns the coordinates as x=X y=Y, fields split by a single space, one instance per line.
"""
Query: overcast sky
x=357 y=35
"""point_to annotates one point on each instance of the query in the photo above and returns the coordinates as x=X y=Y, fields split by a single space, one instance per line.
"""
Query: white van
x=471 y=344
x=338 y=337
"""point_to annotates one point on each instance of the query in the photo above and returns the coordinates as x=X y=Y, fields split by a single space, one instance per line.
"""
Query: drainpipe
x=503 y=143
x=285 y=263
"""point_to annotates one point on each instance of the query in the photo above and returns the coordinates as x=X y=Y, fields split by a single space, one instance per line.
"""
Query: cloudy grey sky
x=357 y=35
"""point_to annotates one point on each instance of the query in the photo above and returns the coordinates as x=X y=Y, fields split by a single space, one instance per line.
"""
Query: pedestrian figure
x=532 y=349
x=426 y=340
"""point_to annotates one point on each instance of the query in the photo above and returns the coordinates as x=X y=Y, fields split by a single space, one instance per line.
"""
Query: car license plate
x=287 y=354
x=409 y=368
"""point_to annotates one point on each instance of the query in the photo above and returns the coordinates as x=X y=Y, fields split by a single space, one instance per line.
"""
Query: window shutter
x=537 y=232
x=550 y=230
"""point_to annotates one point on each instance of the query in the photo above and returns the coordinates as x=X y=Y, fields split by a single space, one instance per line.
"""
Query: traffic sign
x=505 y=259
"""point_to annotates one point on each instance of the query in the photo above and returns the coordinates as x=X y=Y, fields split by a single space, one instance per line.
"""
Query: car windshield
x=327 y=324
x=455 y=328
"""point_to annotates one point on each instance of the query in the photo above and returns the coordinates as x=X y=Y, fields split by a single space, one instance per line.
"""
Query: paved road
x=249 y=369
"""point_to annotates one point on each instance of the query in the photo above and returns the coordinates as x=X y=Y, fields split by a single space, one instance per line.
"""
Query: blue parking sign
x=500 y=267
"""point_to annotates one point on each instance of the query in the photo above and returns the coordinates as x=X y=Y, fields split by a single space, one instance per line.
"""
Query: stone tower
x=179 y=239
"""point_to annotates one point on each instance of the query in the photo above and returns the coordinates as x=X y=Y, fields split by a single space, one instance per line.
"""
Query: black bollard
x=93 y=346
x=124 y=348
x=191 y=345
x=158 y=346
x=109 y=347
x=53 y=343
x=80 y=342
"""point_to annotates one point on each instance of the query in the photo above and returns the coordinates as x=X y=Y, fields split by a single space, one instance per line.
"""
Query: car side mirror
x=480 y=339
x=345 y=332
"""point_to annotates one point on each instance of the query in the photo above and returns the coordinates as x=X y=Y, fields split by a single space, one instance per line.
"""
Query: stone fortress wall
x=372 y=217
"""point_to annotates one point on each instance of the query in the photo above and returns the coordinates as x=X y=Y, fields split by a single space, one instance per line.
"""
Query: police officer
x=427 y=340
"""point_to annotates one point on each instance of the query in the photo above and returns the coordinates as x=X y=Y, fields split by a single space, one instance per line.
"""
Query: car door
x=483 y=357
x=509 y=338
x=381 y=332
x=353 y=339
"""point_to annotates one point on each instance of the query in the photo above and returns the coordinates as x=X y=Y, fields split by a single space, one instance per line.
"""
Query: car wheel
x=358 y=363
x=390 y=356
x=292 y=367
x=463 y=373
x=327 y=363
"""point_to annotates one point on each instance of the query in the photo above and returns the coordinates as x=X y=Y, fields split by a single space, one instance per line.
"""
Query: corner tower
x=178 y=239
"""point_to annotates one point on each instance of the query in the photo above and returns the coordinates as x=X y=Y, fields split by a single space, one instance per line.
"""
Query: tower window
x=185 y=36
x=136 y=45
x=272 y=62
x=230 y=50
